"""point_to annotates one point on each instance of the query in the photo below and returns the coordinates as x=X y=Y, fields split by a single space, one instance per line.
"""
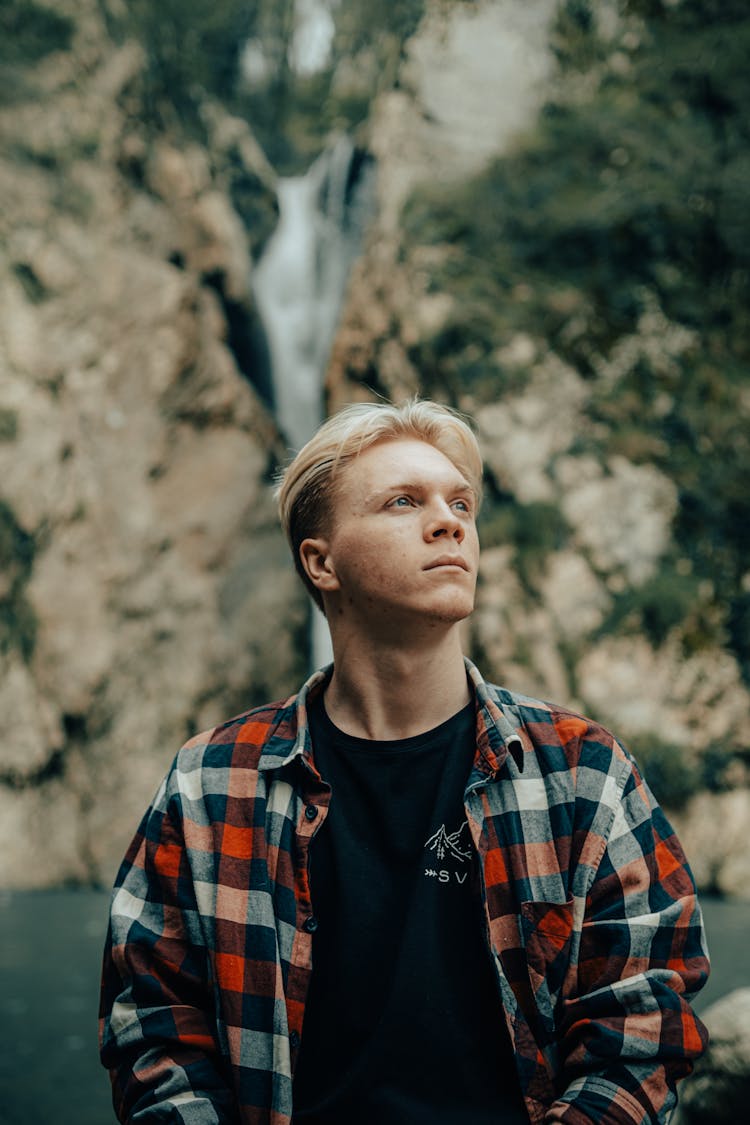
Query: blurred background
x=222 y=219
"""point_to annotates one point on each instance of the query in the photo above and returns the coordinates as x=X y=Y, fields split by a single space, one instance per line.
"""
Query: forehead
x=396 y=462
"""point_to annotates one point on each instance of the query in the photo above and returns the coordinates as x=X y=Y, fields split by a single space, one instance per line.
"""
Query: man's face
x=403 y=540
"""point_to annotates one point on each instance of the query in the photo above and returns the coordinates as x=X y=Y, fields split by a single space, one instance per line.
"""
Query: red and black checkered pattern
x=590 y=905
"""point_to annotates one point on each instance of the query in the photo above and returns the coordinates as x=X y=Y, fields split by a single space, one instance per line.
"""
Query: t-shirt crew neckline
x=354 y=744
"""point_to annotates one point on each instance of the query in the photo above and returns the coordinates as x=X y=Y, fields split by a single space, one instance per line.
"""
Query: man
x=403 y=895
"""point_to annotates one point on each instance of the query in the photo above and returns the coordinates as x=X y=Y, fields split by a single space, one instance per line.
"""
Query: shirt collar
x=497 y=731
x=498 y=734
x=290 y=740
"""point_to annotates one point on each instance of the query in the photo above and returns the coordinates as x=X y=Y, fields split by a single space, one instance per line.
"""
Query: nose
x=443 y=522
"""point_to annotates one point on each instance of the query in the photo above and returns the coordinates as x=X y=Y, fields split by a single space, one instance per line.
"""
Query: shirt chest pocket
x=546 y=933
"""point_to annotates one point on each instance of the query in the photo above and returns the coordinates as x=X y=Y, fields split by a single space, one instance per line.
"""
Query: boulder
x=718 y=1091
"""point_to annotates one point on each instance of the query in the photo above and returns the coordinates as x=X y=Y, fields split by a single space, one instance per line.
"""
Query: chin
x=452 y=611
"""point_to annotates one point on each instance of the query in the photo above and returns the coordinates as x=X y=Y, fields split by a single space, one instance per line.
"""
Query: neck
x=386 y=690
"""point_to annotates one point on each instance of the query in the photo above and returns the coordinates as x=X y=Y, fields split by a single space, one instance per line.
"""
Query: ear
x=318 y=564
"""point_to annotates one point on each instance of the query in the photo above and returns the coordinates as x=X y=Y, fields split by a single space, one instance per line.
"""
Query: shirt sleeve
x=628 y=1032
x=157 y=1023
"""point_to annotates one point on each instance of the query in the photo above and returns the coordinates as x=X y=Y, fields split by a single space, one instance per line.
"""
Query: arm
x=628 y=1032
x=157 y=1015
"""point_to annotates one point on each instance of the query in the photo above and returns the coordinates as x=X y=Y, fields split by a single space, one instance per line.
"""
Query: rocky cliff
x=146 y=592
x=145 y=587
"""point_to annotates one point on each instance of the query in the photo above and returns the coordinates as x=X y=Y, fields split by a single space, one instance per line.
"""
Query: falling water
x=299 y=286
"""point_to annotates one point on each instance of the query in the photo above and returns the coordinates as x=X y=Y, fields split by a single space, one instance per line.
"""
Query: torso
x=404 y=1021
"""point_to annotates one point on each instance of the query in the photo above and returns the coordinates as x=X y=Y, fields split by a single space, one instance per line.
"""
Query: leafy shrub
x=17 y=620
x=672 y=778
x=34 y=288
x=533 y=530
x=195 y=47
x=655 y=608
x=294 y=113
x=192 y=47
x=8 y=424
x=29 y=31
x=714 y=768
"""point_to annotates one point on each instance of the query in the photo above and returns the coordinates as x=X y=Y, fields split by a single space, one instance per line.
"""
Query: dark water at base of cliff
x=50 y=950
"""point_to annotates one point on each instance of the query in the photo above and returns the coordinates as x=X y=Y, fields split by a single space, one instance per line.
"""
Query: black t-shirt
x=404 y=1023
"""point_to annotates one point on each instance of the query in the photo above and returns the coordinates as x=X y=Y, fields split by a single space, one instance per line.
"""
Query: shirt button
x=310 y=924
x=294 y=1040
x=311 y=812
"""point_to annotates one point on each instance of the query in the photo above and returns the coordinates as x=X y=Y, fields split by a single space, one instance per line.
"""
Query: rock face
x=441 y=124
x=145 y=590
x=718 y=1091
x=150 y=594
x=713 y=831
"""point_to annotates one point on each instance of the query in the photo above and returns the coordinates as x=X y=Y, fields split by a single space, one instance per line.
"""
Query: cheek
x=383 y=569
x=372 y=564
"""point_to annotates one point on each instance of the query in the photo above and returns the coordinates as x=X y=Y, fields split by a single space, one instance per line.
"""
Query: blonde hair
x=307 y=486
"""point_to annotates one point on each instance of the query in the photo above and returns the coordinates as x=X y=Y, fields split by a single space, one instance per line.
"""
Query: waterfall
x=299 y=286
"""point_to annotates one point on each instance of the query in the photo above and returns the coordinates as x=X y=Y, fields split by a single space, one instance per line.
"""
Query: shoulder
x=577 y=769
x=561 y=738
x=240 y=743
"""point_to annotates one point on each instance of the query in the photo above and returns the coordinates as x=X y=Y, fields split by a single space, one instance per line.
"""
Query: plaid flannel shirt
x=591 y=913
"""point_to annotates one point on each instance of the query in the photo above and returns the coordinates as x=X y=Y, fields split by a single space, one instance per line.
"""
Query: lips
x=448 y=560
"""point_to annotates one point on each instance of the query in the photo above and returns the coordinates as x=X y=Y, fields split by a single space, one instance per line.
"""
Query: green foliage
x=674 y=777
x=458 y=358
x=8 y=424
x=670 y=775
x=715 y=766
x=738 y=624
x=16 y=545
x=533 y=530
x=195 y=47
x=253 y=202
x=17 y=620
x=668 y=600
x=630 y=199
x=192 y=47
x=33 y=287
x=29 y=31
x=361 y=22
x=573 y=40
x=292 y=113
